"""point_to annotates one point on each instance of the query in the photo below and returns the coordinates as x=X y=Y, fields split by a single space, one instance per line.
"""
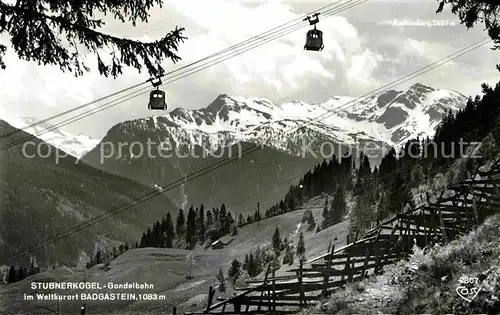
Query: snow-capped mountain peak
x=76 y=145
x=418 y=110
x=391 y=117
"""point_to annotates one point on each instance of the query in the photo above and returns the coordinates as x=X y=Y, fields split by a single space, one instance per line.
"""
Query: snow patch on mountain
x=391 y=117
x=76 y=145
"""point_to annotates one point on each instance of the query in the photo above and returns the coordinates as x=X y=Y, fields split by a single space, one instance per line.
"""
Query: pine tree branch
x=472 y=12
x=3 y=50
x=33 y=38
x=133 y=9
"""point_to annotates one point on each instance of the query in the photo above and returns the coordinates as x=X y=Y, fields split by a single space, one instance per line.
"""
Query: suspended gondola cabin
x=314 y=40
x=314 y=37
x=157 y=98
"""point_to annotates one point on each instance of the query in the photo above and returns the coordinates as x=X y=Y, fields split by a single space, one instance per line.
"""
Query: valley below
x=268 y=139
x=166 y=270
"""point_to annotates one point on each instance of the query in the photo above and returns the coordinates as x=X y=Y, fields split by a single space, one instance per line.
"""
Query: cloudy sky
x=366 y=47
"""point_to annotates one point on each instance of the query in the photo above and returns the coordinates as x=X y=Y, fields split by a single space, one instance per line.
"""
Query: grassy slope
x=166 y=268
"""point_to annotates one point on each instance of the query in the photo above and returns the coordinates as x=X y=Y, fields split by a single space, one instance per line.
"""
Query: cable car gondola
x=314 y=37
x=157 y=98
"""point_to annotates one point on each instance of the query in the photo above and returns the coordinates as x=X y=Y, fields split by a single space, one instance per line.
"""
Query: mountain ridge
x=391 y=117
x=76 y=145
x=45 y=193
x=290 y=138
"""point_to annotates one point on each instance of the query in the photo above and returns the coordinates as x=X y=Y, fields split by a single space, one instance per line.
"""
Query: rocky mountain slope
x=391 y=117
x=294 y=137
x=42 y=195
x=261 y=175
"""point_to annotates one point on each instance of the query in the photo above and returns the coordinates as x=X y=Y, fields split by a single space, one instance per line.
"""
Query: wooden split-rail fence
x=471 y=201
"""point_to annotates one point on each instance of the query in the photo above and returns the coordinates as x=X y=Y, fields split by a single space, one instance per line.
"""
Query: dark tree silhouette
x=245 y=262
x=200 y=224
x=234 y=270
x=325 y=208
x=288 y=257
x=53 y=32
x=180 y=227
x=301 y=246
x=276 y=241
x=222 y=281
x=252 y=266
x=169 y=233
x=191 y=228
x=21 y=274
x=12 y=275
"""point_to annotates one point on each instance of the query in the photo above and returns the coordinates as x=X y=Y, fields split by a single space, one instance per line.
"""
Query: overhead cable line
x=226 y=161
x=135 y=94
x=229 y=49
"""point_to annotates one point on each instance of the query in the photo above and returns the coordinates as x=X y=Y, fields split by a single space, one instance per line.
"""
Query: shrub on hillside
x=306 y=215
x=241 y=281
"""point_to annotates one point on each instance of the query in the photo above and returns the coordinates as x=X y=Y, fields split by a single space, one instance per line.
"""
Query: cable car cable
x=45 y=120
x=461 y=52
x=215 y=166
x=79 y=117
x=147 y=89
x=253 y=38
x=278 y=35
x=171 y=72
x=138 y=201
x=69 y=111
x=126 y=98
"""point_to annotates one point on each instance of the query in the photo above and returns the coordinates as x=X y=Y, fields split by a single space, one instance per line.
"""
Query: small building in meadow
x=217 y=244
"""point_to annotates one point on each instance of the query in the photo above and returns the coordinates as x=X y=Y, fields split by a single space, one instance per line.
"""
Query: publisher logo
x=468 y=289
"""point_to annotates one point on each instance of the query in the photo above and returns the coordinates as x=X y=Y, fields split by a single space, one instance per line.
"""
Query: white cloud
x=283 y=59
x=363 y=66
x=278 y=70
